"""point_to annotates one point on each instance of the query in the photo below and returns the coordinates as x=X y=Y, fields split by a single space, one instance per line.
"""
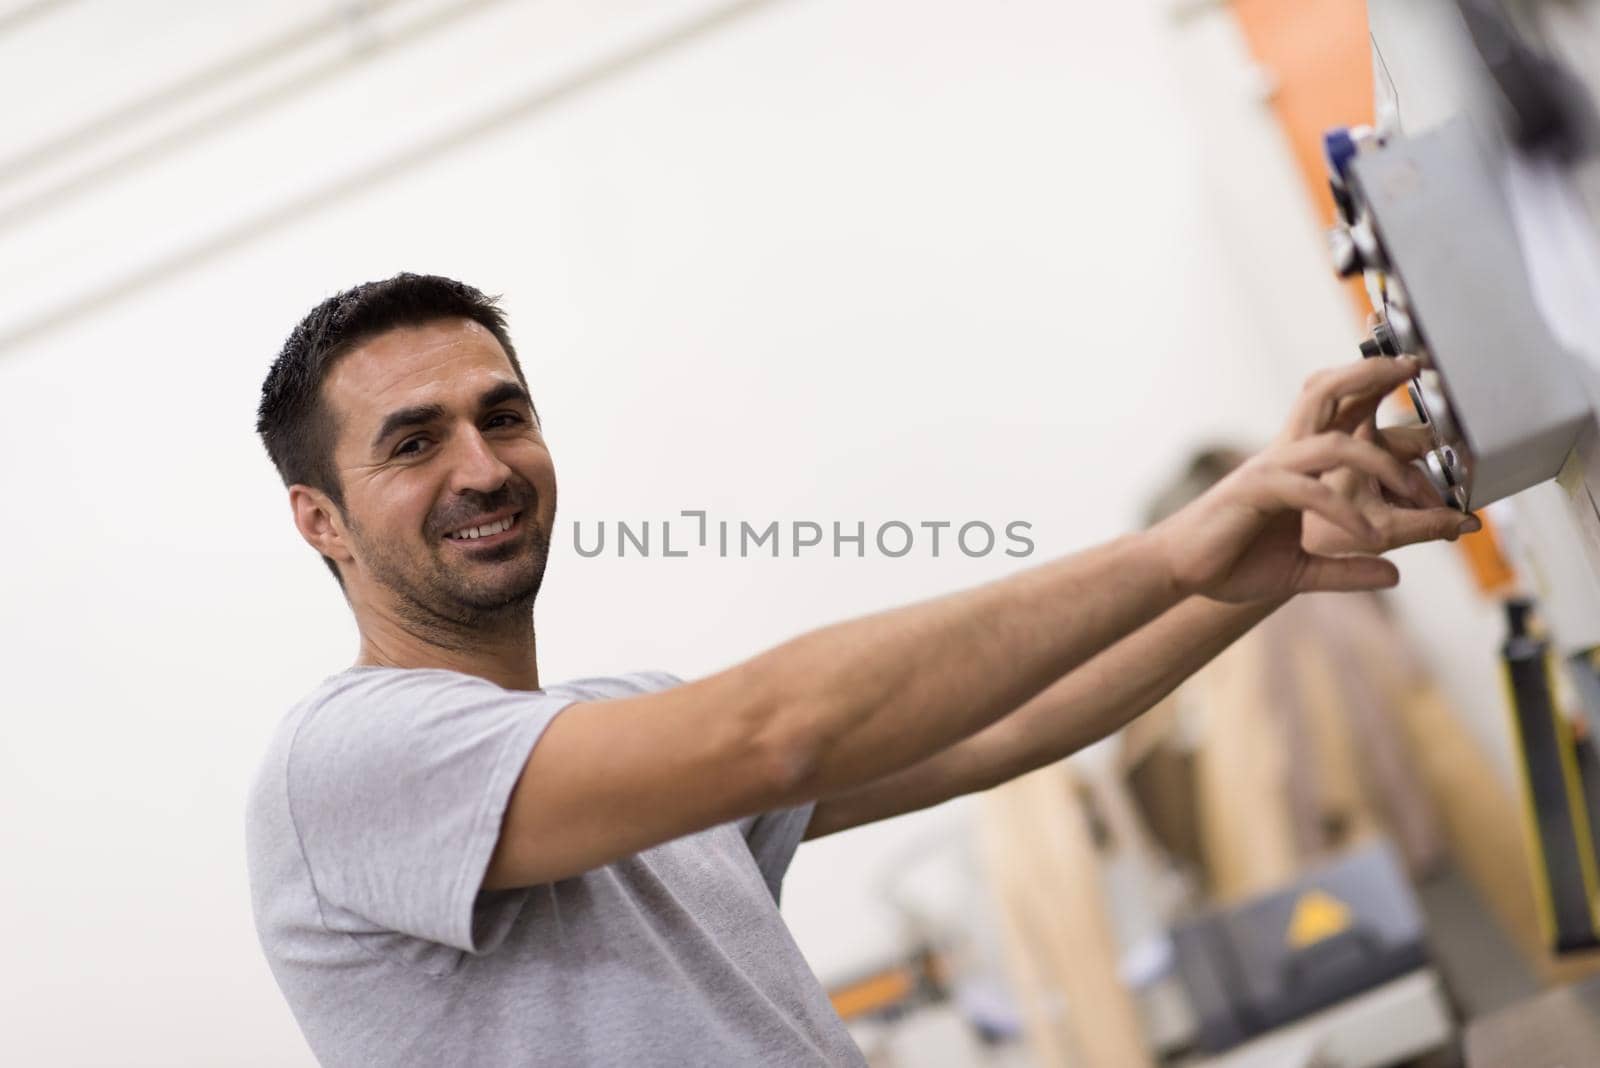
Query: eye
x=411 y=446
x=500 y=419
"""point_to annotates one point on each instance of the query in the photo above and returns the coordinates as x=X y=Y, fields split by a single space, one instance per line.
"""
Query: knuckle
x=1367 y=447
x=1320 y=445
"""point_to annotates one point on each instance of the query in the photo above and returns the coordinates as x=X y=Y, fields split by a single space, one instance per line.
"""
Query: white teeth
x=469 y=533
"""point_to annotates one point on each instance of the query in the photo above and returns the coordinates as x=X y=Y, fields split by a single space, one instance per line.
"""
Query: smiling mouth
x=485 y=532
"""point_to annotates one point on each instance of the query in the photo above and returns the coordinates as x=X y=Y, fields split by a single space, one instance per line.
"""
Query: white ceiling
x=71 y=61
x=147 y=136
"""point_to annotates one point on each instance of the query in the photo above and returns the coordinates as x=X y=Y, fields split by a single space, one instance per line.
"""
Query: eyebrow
x=423 y=414
x=504 y=393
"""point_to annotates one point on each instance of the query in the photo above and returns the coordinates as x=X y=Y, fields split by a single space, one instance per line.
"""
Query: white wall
x=836 y=261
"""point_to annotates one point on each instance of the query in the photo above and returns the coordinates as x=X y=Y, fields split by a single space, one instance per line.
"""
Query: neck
x=504 y=651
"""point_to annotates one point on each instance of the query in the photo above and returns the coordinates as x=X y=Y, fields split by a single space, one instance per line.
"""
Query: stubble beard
x=444 y=605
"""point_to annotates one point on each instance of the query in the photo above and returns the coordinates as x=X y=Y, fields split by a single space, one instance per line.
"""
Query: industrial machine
x=1471 y=208
x=1350 y=927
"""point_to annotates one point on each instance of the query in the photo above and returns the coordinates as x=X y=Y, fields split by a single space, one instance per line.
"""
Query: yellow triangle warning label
x=1317 y=915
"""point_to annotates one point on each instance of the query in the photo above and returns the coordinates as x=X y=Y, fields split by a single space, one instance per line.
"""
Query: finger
x=1315 y=455
x=1428 y=495
x=1347 y=573
x=1274 y=489
x=1408 y=526
x=1320 y=400
x=1351 y=413
x=1354 y=412
x=1406 y=443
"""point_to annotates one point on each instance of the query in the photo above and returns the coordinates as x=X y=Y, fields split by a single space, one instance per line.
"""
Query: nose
x=477 y=467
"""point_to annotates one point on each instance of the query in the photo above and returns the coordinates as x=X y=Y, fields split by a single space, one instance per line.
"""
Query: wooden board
x=1041 y=860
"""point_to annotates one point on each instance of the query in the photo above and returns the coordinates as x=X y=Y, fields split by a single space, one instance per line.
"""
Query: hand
x=1396 y=526
x=1330 y=484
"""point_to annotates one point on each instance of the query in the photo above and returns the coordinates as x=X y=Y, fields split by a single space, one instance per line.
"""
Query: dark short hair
x=294 y=422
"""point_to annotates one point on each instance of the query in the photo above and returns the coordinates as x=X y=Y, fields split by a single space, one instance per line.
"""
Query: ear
x=319 y=522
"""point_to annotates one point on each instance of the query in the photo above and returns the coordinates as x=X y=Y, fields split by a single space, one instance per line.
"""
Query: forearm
x=860 y=700
x=1119 y=684
x=1085 y=705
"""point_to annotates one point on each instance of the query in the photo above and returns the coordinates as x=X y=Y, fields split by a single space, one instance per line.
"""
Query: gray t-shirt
x=369 y=828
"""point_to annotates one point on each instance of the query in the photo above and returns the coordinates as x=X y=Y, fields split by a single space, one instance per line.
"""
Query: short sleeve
x=398 y=782
x=773 y=838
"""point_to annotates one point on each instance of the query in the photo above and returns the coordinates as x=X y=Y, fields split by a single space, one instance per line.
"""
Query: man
x=453 y=864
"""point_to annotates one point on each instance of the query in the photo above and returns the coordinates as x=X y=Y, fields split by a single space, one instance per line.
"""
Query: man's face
x=437 y=451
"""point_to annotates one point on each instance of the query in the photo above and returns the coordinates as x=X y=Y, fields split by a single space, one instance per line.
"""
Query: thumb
x=1407 y=526
x=1346 y=573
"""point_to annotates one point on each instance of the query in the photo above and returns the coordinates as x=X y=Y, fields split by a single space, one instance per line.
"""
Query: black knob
x=1381 y=342
x=1342 y=250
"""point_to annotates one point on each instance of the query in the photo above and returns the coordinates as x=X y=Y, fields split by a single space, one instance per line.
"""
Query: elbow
x=779 y=739
x=785 y=732
x=790 y=760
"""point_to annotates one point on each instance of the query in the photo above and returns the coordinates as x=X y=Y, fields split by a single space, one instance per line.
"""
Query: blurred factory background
x=783 y=260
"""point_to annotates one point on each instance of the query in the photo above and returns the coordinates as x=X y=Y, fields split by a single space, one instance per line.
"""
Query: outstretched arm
x=818 y=715
x=851 y=704
x=1136 y=673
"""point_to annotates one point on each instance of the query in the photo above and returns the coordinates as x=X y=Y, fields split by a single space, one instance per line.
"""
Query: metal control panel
x=1427 y=219
x=1428 y=225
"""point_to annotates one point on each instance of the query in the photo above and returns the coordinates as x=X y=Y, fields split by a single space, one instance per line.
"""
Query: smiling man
x=452 y=863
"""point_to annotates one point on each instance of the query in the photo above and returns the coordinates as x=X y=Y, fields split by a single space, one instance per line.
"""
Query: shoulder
x=632 y=684
x=375 y=708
